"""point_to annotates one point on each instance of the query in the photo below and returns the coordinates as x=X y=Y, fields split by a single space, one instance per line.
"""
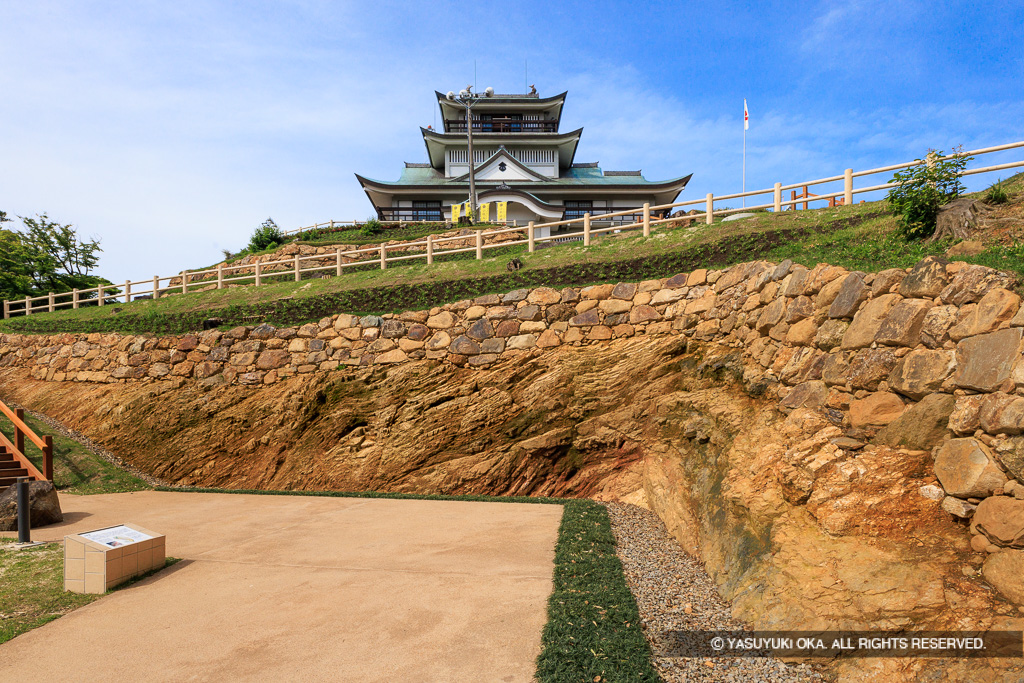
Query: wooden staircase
x=13 y=462
x=10 y=469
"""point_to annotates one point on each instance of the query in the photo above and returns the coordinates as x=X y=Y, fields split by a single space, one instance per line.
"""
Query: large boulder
x=852 y=294
x=971 y=283
x=985 y=361
x=1005 y=571
x=903 y=325
x=966 y=469
x=1010 y=454
x=1002 y=414
x=868 y=320
x=921 y=372
x=875 y=410
x=925 y=280
x=922 y=426
x=1000 y=519
x=995 y=308
x=43 y=502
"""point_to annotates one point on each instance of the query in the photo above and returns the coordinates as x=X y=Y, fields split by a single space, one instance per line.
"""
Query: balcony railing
x=502 y=126
x=414 y=215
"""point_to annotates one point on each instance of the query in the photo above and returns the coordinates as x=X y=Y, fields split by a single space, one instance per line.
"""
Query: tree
x=923 y=189
x=266 y=236
x=45 y=257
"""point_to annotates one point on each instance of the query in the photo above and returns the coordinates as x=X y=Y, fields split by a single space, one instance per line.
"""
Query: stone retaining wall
x=907 y=358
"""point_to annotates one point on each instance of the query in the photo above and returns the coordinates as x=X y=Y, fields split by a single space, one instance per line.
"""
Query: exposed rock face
x=730 y=400
x=42 y=498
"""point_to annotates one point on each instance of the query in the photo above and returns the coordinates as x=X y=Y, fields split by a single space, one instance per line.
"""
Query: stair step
x=9 y=465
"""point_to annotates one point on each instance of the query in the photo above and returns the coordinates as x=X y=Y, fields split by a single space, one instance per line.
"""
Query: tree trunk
x=958 y=219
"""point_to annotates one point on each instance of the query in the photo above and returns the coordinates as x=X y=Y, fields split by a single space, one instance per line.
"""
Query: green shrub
x=922 y=189
x=996 y=194
x=266 y=236
x=371 y=227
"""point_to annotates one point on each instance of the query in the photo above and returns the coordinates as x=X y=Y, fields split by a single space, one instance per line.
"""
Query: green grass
x=593 y=626
x=593 y=630
x=32 y=587
x=861 y=236
x=76 y=469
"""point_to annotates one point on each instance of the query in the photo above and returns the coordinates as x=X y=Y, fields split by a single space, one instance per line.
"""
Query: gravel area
x=675 y=593
x=90 y=445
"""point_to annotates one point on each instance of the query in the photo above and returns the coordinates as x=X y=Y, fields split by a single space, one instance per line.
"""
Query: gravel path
x=674 y=593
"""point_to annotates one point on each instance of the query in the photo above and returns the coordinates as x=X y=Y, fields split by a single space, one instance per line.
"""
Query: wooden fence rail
x=427 y=248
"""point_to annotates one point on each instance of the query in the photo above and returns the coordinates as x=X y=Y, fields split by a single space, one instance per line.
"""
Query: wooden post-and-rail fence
x=428 y=248
x=14 y=462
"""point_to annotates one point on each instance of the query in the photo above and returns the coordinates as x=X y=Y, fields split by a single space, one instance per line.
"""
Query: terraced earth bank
x=801 y=525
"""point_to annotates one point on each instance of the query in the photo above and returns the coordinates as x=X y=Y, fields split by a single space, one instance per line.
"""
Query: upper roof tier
x=504 y=114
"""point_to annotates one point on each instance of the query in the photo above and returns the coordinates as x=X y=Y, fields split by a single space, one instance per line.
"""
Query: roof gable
x=502 y=166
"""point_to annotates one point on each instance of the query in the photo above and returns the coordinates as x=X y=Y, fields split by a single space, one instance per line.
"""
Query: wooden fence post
x=7 y=309
x=28 y=306
x=848 y=187
x=259 y=273
x=710 y=218
x=430 y=250
x=19 y=436
x=647 y=219
x=127 y=291
x=50 y=302
x=792 y=197
x=337 y=260
x=298 y=274
x=220 y=276
x=806 y=194
x=531 y=242
x=99 y=294
x=383 y=257
x=184 y=282
x=778 y=197
x=586 y=229
x=48 y=457
x=479 y=244
x=156 y=287
x=74 y=298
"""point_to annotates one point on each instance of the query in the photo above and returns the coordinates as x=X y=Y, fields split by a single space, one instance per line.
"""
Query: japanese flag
x=746 y=116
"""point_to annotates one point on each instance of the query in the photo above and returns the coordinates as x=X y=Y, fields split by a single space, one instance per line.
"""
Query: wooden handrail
x=17 y=447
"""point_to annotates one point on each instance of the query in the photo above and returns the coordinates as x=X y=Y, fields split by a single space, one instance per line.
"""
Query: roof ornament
x=533 y=89
x=502 y=186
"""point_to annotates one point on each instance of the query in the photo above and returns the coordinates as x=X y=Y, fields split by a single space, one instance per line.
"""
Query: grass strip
x=32 y=588
x=593 y=630
x=371 y=494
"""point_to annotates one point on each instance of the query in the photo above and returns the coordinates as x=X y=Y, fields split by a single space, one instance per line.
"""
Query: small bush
x=371 y=227
x=922 y=189
x=266 y=236
x=996 y=194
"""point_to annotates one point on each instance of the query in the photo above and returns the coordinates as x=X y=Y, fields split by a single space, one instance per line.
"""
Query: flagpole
x=746 y=119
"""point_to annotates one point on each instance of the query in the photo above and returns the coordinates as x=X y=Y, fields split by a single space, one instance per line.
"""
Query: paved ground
x=308 y=588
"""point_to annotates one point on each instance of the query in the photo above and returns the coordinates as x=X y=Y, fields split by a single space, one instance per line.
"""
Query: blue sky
x=171 y=130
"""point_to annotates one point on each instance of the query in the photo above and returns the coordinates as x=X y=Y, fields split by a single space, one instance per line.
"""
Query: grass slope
x=76 y=469
x=859 y=237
